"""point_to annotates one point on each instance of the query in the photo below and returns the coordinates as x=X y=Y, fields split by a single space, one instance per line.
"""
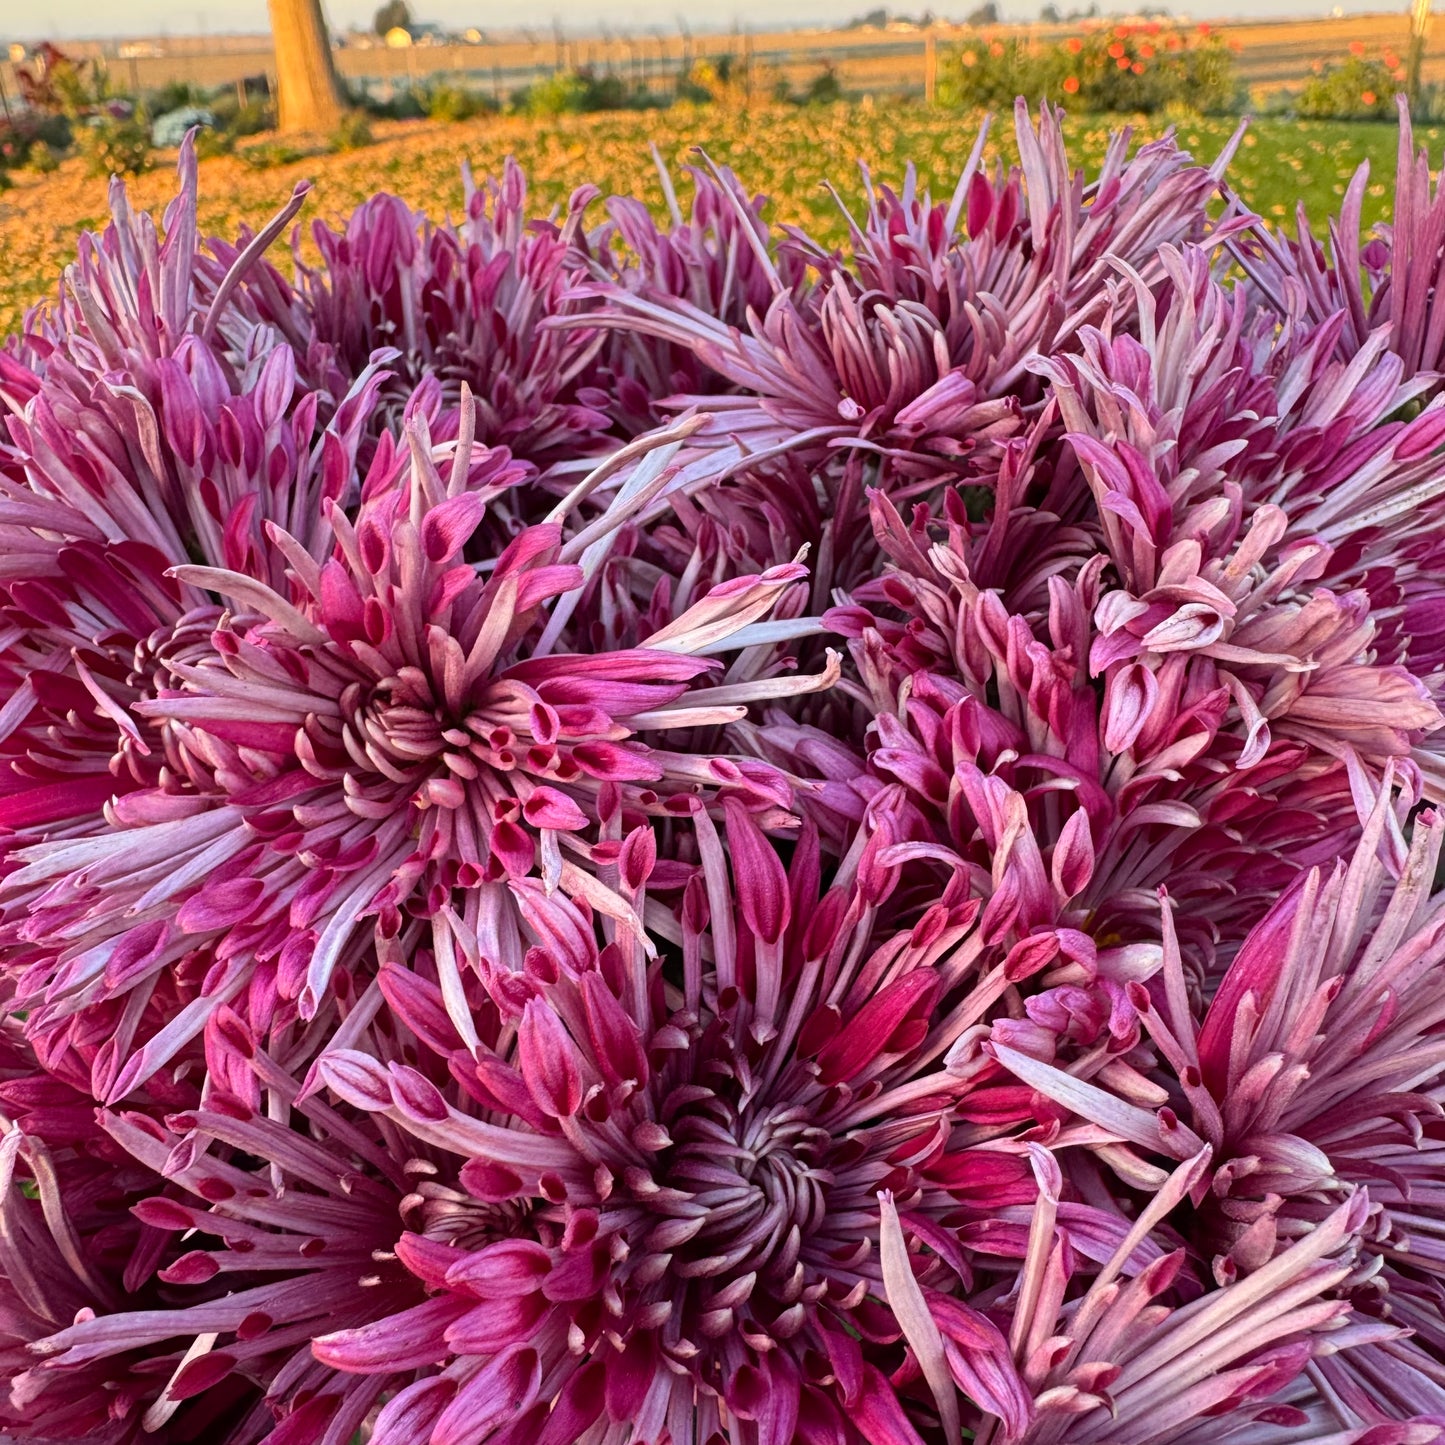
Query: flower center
x=452 y=1216
x=758 y=1179
x=397 y=730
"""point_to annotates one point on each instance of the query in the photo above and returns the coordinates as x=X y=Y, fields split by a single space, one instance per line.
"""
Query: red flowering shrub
x=1123 y=69
x=1359 y=88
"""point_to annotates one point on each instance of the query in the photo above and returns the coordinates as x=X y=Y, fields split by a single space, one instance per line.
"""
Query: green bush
x=116 y=145
x=1126 y=68
x=353 y=132
x=983 y=75
x=565 y=92
x=1357 y=89
x=403 y=105
x=571 y=92
x=41 y=159
x=269 y=154
x=20 y=134
x=239 y=121
x=720 y=79
x=454 y=103
x=824 y=89
x=176 y=95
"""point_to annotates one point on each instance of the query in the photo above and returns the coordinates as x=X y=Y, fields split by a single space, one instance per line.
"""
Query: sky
x=59 y=19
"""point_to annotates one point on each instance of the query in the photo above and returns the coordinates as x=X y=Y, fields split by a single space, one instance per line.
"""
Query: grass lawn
x=785 y=154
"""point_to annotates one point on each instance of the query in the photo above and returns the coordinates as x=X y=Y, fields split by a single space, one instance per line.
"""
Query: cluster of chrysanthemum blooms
x=620 y=834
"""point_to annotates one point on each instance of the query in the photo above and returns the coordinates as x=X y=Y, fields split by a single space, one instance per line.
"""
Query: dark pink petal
x=502 y=1388
x=878 y=1415
x=867 y=1034
x=549 y=1061
x=496 y=1324
x=446 y=527
x=403 y=1341
x=617 y=1043
x=509 y=1267
x=411 y=1414
x=762 y=884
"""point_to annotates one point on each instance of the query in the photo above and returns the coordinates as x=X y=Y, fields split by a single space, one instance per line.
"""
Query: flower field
x=785 y=154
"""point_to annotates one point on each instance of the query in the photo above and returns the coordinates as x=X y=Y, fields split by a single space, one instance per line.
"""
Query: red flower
x=1071 y=85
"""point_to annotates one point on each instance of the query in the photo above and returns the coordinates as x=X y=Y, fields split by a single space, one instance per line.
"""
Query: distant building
x=420 y=32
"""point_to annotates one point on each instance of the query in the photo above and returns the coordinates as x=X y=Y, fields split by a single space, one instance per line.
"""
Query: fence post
x=930 y=69
x=1419 y=25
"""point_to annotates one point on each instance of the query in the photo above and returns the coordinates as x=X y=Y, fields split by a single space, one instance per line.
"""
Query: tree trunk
x=308 y=94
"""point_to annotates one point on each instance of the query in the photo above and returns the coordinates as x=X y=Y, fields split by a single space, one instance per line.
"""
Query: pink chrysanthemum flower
x=132 y=296
x=1251 y=502
x=920 y=359
x=671 y=1197
x=73 y=1249
x=400 y=742
x=159 y=421
x=94 y=508
x=1360 y=288
x=247 y=1268
x=1144 y=653
x=464 y=305
x=694 y=1162
x=1069 y=808
x=720 y=259
x=1117 y=1362
x=1315 y=1073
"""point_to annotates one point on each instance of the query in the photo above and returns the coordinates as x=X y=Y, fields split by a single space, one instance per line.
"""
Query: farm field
x=784 y=154
x=1272 y=55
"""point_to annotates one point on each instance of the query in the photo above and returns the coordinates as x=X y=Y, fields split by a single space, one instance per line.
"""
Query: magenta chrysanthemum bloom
x=679 y=1203
x=132 y=296
x=400 y=742
x=694 y=1166
x=1360 y=288
x=173 y=1288
x=1121 y=1364
x=464 y=306
x=1145 y=667
x=158 y=421
x=1315 y=1074
x=720 y=260
x=920 y=358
